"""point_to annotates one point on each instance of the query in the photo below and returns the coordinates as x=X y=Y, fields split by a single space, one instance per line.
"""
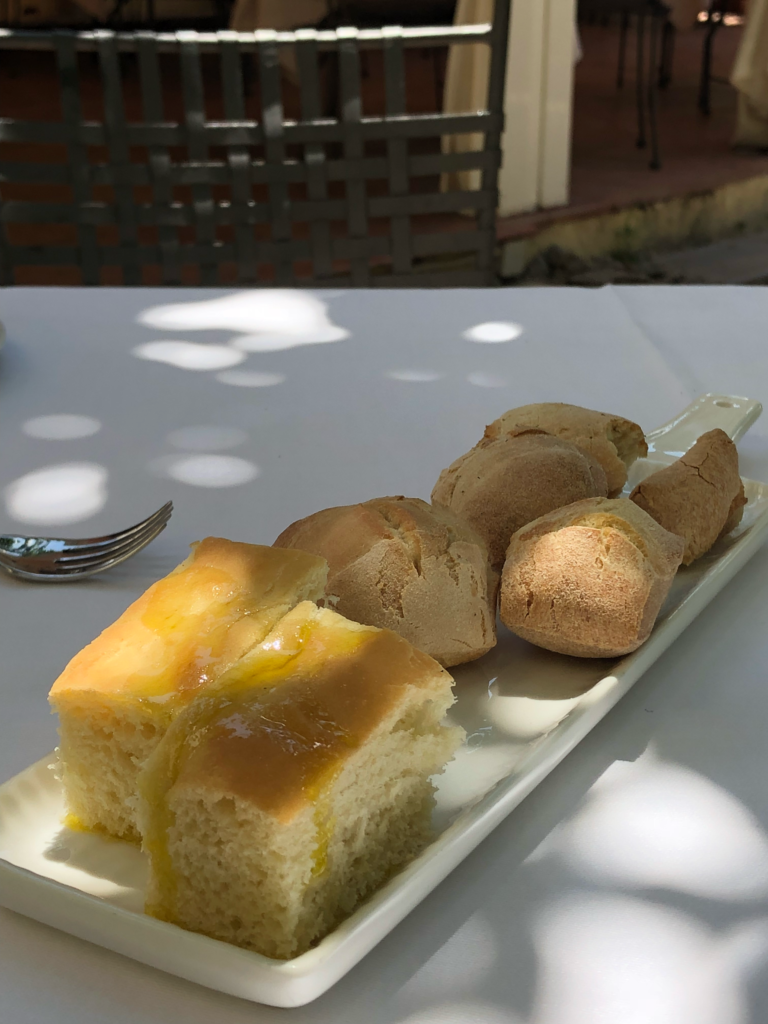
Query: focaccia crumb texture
x=295 y=786
x=117 y=696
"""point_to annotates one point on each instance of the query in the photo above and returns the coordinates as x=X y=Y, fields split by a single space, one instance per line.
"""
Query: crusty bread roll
x=404 y=565
x=116 y=698
x=588 y=579
x=296 y=784
x=614 y=441
x=502 y=484
x=700 y=497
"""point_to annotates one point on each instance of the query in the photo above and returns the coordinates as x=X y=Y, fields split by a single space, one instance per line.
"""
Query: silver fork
x=55 y=560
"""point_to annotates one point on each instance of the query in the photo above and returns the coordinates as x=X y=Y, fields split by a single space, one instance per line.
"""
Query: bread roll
x=588 y=579
x=116 y=698
x=612 y=440
x=500 y=485
x=295 y=785
x=700 y=497
x=404 y=565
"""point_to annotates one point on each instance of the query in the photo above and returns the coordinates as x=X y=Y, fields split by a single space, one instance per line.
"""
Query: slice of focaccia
x=293 y=787
x=116 y=698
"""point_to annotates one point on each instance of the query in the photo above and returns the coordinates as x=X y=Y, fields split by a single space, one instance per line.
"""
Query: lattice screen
x=211 y=192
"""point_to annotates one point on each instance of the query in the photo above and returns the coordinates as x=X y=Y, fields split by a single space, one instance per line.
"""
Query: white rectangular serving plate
x=523 y=709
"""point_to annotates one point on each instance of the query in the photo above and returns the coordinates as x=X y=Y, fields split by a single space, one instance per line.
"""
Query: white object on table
x=590 y=901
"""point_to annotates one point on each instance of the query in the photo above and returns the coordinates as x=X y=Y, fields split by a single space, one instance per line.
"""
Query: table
x=633 y=884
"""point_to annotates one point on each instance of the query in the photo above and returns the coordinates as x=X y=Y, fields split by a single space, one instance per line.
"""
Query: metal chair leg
x=668 y=33
x=623 y=30
x=655 y=163
x=714 y=22
x=641 y=140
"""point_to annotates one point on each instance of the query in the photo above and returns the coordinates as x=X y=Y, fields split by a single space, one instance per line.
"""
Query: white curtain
x=750 y=77
x=466 y=90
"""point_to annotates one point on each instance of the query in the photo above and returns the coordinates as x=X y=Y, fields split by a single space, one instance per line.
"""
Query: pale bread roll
x=401 y=564
x=614 y=441
x=700 y=497
x=589 y=579
x=500 y=485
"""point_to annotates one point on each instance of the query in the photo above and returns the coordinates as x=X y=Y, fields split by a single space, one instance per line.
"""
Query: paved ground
x=608 y=171
x=731 y=261
x=742 y=260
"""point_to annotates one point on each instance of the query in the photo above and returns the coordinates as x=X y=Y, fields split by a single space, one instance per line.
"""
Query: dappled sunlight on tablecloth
x=414 y=376
x=493 y=332
x=63 y=427
x=662 y=825
x=60 y=494
x=250 y=378
x=267 y=319
x=278 y=342
x=207 y=470
x=617 y=960
x=189 y=355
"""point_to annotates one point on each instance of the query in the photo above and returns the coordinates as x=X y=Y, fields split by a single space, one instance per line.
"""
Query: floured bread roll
x=700 y=497
x=297 y=784
x=614 y=441
x=404 y=565
x=589 y=579
x=502 y=484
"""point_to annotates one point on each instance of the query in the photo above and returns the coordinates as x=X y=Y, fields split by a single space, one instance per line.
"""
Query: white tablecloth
x=632 y=885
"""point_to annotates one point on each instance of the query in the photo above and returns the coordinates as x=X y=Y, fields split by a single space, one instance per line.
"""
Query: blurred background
x=634 y=145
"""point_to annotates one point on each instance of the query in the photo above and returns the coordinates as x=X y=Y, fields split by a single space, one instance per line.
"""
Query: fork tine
x=136 y=540
x=63 y=560
x=91 y=569
x=112 y=555
x=95 y=543
x=57 y=574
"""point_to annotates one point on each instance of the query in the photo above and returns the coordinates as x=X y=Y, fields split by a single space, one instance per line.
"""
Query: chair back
x=233 y=158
